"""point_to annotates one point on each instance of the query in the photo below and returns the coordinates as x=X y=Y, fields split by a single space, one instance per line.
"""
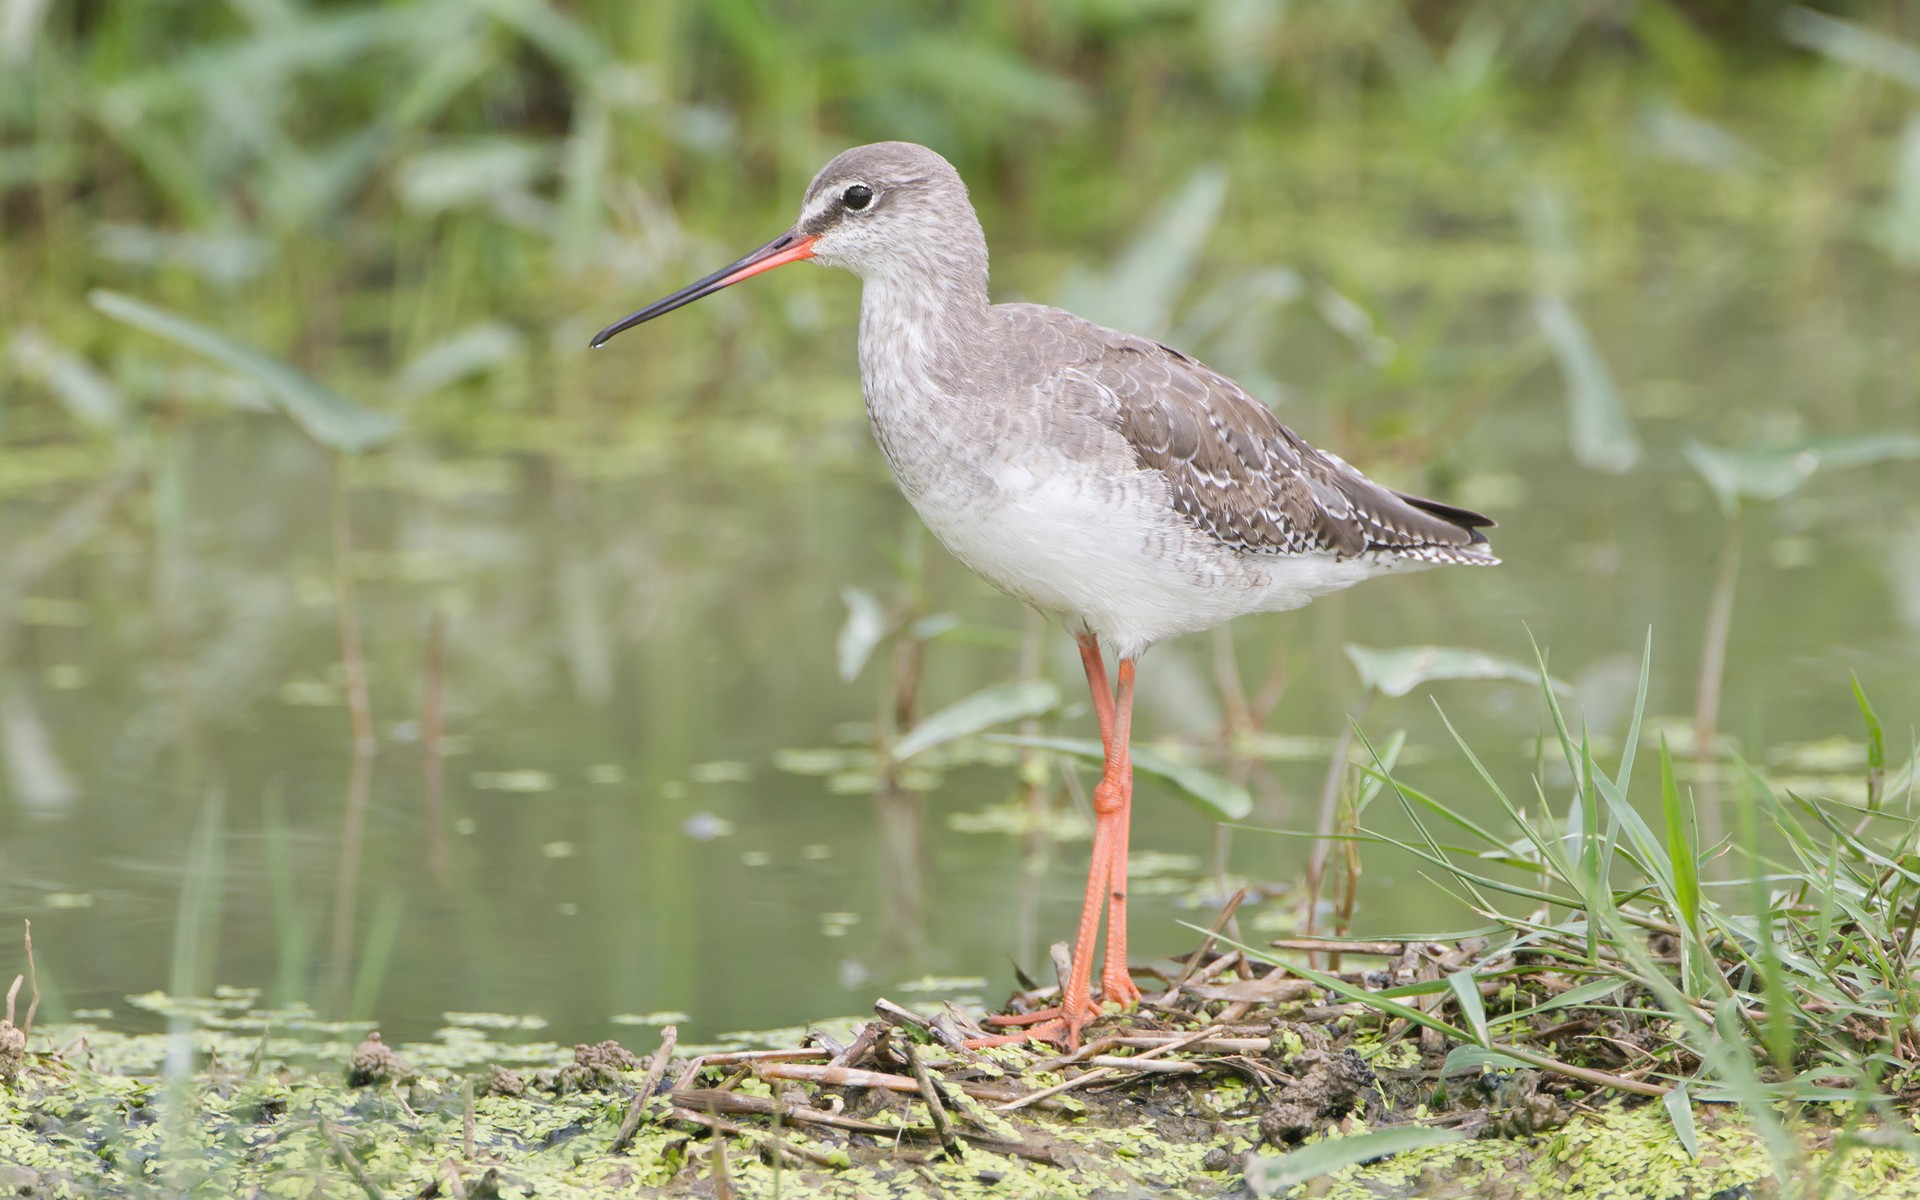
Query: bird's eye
x=857 y=197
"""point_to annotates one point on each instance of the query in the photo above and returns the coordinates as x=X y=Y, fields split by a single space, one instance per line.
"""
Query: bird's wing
x=1231 y=467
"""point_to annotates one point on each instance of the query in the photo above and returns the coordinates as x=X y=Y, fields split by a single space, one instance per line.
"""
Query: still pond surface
x=618 y=590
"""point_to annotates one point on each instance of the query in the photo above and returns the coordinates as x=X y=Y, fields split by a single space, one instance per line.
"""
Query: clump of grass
x=1792 y=984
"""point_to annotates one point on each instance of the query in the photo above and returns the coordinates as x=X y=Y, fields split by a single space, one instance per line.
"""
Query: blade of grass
x=1876 y=746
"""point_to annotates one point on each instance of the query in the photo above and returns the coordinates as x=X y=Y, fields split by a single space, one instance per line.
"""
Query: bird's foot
x=1060 y=1024
x=1117 y=987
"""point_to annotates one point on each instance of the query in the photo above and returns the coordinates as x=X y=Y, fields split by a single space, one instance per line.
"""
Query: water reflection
x=558 y=785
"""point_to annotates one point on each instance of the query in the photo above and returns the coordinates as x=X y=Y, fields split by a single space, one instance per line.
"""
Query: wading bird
x=1096 y=475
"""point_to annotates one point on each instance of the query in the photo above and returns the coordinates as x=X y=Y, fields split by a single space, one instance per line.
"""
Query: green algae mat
x=1302 y=1099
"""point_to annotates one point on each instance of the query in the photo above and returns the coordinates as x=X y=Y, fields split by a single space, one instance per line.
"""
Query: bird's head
x=890 y=210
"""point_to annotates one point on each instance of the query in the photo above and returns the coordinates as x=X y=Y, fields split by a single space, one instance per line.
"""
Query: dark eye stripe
x=857 y=197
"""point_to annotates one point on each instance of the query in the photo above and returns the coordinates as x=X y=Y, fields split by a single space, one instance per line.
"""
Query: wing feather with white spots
x=1232 y=468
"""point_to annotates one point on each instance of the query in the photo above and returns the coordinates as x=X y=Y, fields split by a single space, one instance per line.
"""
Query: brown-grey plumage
x=1231 y=467
x=1099 y=476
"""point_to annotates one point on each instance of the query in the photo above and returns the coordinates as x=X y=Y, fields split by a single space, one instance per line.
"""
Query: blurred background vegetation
x=352 y=185
x=1593 y=265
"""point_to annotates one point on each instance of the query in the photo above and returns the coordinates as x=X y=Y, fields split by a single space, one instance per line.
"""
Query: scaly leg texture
x=1116 y=983
x=1106 y=875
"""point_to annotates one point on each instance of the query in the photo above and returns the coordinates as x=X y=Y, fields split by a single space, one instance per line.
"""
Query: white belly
x=1113 y=556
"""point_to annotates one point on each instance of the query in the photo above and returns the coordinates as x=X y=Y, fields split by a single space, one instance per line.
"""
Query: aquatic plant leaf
x=472 y=172
x=324 y=414
x=1899 y=223
x=224 y=258
x=460 y=355
x=865 y=625
x=1674 y=133
x=1602 y=435
x=1397 y=670
x=1140 y=290
x=1774 y=472
x=566 y=42
x=984 y=709
x=88 y=395
x=1854 y=45
x=1216 y=797
x=1269 y=1175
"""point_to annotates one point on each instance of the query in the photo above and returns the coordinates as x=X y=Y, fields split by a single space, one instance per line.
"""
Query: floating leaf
x=1270 y=1175
x=984 y=709
x=1217 y=798
x=866 y=624
x=326 y=416
x=1398 y=670
x=1602 y=435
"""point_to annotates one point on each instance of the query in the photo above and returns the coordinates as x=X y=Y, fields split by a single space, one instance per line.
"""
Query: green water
x=637 y=560
x=628 y=647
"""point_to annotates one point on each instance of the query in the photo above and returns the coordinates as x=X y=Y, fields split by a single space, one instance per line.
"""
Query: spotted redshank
x=1098 y=476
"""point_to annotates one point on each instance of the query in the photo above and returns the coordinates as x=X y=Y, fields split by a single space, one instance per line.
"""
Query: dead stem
x=936 y=1109
x=1330 y=792
x=775 y=1145
x=656 y=1070
x=350 y=1163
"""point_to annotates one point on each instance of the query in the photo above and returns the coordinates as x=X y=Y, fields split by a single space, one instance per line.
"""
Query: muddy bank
x=239 y=1101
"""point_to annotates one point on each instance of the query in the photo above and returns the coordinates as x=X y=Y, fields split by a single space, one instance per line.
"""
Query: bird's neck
x=922 y=340
x=922 y=314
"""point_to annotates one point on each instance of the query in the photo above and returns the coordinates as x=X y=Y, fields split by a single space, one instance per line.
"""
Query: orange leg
x=1097 y=684
x=1116 y=983
x=1106 y=875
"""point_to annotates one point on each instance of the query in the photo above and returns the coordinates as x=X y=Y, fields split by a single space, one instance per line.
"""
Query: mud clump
x=1326 y=1087
x=595 y=1068
x=503 y=1081
x=13 y=1050
x=374 y=1062
x=1525 y=1109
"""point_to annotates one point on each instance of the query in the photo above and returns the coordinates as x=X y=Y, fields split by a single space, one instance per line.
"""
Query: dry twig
x=656 y=1069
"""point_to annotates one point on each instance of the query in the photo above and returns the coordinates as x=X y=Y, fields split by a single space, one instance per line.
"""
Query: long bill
x=787 y=248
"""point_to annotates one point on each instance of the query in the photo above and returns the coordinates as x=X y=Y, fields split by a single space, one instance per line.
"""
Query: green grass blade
x=1876 y=746
x=1587 y=994
x=1679 y=1105
x=1466 y=993
x=1372 y=1000
x=1625 y=777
